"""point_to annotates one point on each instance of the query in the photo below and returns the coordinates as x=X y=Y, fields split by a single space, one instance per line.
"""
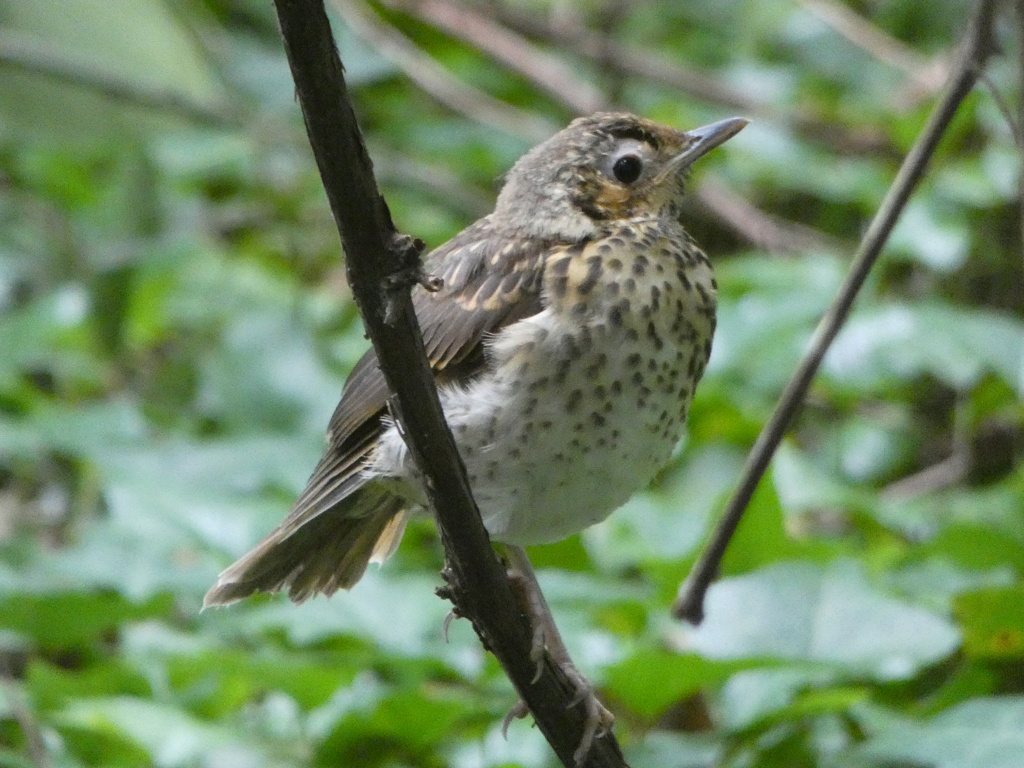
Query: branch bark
x=978 y=45
x=381 y=266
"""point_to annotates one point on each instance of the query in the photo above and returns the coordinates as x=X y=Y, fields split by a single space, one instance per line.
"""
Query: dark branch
x=375 y=251
x=977 y=47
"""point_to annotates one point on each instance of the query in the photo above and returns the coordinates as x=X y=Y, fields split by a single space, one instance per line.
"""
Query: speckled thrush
x=573 y=325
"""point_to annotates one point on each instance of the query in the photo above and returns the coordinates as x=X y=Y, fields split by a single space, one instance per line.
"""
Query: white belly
x=567 y=430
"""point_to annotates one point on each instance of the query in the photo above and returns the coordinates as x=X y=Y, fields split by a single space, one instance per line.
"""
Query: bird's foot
x=599 y=719
x=546 y=640
x=518 y=712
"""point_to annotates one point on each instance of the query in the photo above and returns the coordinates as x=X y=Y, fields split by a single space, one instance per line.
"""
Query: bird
x=571 y=328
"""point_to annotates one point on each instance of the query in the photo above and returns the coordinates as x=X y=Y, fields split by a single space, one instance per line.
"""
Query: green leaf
x=902 y=341
x=936 y=581
x=52 y=686
x=804 y=485
x=758 y=699
x=667 y=521
x=767 y=318
x=754 y=694
x=822 y=614
x=61 y=620
x=977 y=528
x=140 y=46
x=650 y=681
x=933 y=237
x=171 y=738
x=399 y=614
x=405 y=722
x=981 y=733
x=11 y=759
x=993 y=622
x=678 y=750
x=230 y=677
x=761 y=536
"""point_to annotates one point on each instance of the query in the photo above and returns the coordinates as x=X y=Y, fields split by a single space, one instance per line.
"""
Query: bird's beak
x=703 y=140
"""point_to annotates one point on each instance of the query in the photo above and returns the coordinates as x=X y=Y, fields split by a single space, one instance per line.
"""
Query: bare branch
x=35 y=744
x=977 y=47
x=757 y=227
x=424 y=70
x=570 y=35
x=946 y=473
x=547 y=71
x=378 y=257
x=1018 y=8
x=928 y=74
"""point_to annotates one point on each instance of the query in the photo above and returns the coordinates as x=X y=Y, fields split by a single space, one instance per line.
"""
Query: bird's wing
x=489 y=282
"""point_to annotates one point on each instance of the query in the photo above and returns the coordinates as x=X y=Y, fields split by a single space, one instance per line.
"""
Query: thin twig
x=978 y=46
x=760 y=229
x=577 y=95
x=439 y=181
x=948 y=472
x=927 y=75
x=1019 y=20
x=545 y=70
x=424 y=70
x=376 y=255
x=35 y=744
x=571 y=36
x=1004 y=108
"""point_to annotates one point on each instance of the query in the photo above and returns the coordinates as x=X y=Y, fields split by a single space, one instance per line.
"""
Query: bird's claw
x=537 y=652
x=599 y=719
x=545 y=642
x=518 y=712
x=452 y=615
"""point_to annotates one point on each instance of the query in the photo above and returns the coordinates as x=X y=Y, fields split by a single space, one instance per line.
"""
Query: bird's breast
x=586 y=401
x=582 y=403
x=647 y=278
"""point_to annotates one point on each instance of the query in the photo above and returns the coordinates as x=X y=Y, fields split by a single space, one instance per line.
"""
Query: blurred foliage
x=175 y=329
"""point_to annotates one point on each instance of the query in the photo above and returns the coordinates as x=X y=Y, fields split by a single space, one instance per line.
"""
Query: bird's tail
x=311 y=555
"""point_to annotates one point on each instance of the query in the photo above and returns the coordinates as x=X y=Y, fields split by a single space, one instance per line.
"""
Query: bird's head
x=606 y=167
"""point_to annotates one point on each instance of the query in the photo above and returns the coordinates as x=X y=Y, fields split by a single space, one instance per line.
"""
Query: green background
x=175 y=329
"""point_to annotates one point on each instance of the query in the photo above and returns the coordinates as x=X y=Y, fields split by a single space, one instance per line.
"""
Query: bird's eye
x=627 y=168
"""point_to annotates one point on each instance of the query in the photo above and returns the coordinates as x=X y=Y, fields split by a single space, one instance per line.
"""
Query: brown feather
x=341 y=519
x=487 y=286
x=319 y=555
